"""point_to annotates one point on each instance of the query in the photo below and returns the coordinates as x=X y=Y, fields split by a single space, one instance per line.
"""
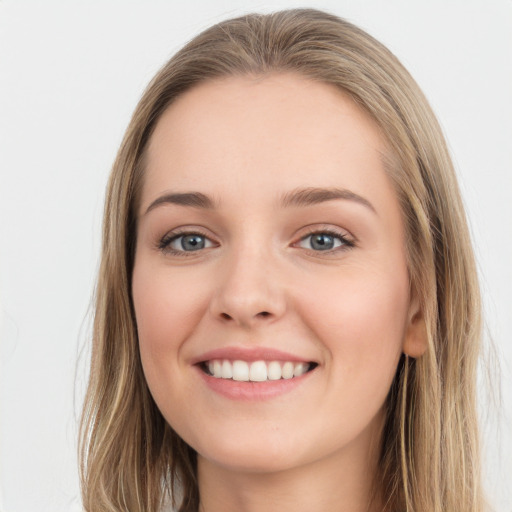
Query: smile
x=255 y=371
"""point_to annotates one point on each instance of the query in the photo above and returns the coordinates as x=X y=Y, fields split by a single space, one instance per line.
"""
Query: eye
x=185 y=243
x=324 y=241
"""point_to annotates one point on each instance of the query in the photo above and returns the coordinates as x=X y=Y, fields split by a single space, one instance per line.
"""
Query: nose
x=250 y=291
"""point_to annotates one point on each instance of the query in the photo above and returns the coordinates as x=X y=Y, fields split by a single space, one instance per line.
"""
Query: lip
x=250 y=354
x=248 y=391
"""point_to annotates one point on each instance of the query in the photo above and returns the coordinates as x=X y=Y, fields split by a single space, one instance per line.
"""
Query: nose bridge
x=249 y=289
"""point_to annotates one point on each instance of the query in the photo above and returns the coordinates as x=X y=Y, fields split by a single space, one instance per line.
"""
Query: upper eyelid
x=177 y=232
x=336 y=231
x=326 y=229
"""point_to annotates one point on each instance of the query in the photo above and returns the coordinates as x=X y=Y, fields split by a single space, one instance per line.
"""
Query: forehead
x=275 y=132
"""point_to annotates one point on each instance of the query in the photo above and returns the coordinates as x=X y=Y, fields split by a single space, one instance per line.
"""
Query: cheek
x=361 y=322
x=166 y=310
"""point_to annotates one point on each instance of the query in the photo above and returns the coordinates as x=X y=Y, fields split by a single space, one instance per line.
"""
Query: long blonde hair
x=131 y=459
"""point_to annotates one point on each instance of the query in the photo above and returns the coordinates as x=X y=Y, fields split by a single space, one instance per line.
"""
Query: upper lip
x=249 y=354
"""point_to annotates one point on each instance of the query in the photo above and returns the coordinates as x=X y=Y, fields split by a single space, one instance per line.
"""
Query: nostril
x=227 y=316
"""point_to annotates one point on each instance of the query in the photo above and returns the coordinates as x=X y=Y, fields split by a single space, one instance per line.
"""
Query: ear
x=415 y=340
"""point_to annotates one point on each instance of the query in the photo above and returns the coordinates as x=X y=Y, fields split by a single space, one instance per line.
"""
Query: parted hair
x=131 y=459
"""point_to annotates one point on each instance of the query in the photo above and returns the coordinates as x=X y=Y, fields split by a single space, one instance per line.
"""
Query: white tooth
x=300 y=369
x=258 y=371
x=274 y=370
x=210 y=367
x=287 y=370
x=240 y=371
x=227 y=370
x=217 y=368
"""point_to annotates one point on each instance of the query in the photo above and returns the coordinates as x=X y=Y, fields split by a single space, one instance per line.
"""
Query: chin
x=254 y=462
x=249 y=456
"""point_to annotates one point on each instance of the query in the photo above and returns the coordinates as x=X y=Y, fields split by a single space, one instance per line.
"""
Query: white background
x=70 y=76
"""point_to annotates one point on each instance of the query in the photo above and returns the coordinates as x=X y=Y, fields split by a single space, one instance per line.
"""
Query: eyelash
x=346 y=243
x=165 y=242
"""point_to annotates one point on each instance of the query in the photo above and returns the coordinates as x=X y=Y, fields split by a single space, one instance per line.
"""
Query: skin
x=246 y=141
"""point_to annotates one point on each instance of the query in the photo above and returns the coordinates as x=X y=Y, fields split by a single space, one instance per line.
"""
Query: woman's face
x=270 y=241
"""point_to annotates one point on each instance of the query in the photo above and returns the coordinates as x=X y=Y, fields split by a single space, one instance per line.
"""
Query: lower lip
x=239 y=390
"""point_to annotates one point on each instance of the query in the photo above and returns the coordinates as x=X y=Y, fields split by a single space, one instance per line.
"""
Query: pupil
x=322 y=242
x=192 y=242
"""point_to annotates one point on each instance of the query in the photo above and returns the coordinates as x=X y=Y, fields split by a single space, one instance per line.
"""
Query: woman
x=287 y=308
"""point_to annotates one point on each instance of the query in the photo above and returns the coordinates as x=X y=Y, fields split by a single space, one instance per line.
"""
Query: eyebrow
x=193 y=199
x=296 y=198
x=313 y=195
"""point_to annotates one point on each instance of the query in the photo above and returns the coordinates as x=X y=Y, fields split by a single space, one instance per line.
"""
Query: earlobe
x=415 y=340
